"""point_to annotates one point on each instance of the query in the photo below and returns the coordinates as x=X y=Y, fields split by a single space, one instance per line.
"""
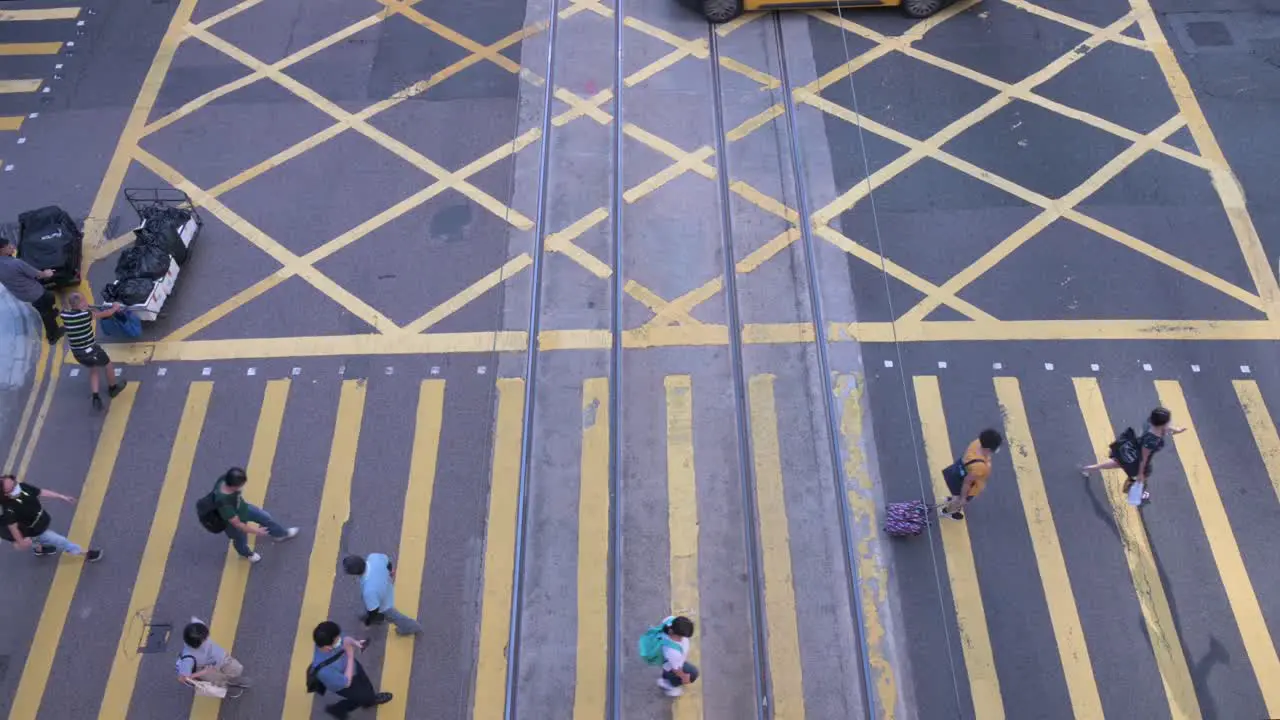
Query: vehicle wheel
x=921 y=8
x=719 y=11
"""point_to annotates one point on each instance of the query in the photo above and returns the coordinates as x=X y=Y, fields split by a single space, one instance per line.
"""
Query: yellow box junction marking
x=229 y=601
x=1226 y=553
x=1161 y=629
x=1263 y=427
x=873 y=593
x=591 y=659
x=335 y=510
x=57 y=604
x=1082 y=686
x=785 y=670
x=682 y=524
x=971 y=617
x=155 y=556
x=499 y=554
x=412 y=559
x=63 y=13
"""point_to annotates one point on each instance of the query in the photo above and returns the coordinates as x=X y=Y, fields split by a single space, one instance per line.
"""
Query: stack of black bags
x=156 y=241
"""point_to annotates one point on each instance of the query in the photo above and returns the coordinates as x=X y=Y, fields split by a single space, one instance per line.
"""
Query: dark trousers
x=359 y=694
x=690 y=669
x=48 y=314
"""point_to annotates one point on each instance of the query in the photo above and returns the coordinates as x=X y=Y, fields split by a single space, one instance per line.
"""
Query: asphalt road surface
x=1044 y=220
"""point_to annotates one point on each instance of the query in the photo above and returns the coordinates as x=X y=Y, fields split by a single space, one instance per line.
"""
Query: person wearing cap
x=23 y=282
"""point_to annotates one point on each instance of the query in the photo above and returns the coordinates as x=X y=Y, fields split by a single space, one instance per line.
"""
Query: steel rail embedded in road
x=613 y=694
x=531 y=372
x=746 y=465
x=824 y=368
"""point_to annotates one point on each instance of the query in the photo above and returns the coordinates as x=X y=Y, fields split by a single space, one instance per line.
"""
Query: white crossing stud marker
x=71 y=43
x=8 y=168
x=1095 y=367
x=342 y=369
x=161 y=372
x=942 y=364
x=207 y=372
x=22 y=141
x=390 y=370
x=1048 y=366
x=79 y=23
x=1195 y=368
x=75 y=372
x=118 y=371
x=997 y=366
x=34 y=115
x=251 y=372
x=296 y=371
x=1146 y=367
x=45 y=89
x=58 y=66
x=435 y=369
x=888 y=363
x=1245 y=369
x=481 y=370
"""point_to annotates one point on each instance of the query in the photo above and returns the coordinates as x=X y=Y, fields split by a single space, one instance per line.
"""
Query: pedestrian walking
x=236 y=513
x=205 y=666
x=1133 y=453
x=668 y=645
x=78 y=320
x=377 y=589
x=334 y=668
x=25 y=523
x=967 y=477
x=23 y=282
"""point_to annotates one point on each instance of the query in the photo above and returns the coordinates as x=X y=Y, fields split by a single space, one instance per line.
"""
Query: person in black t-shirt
x=25 y=523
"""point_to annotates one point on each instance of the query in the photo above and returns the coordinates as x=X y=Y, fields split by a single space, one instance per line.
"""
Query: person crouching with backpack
x=25 y=523
x=334 y=668
x=670 y=642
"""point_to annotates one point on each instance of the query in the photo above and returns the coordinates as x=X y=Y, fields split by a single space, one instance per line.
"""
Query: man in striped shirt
x=77 y=321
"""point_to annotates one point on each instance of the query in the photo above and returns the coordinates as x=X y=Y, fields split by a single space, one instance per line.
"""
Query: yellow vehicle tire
x=921 y=8
x=721 y=11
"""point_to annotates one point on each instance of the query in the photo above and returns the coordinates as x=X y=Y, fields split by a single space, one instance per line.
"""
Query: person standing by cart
x=78 y=320
x=23 y=282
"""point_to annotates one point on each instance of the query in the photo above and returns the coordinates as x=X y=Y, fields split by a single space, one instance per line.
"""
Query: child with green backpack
x=668 y=645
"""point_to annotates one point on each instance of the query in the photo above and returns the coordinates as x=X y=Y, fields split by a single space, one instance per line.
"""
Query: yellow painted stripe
x=1263 y=427
x=19 y=86
x=1082 y=686
x=593 y=554
x=37 y=48
x=155 y=556
x=35 y=673
x=682 y=524
x=785 y=672
x=398 y=664
x=64 y=13
x=1226 y=553
x=335 y=510
x=29 y=407
x=971 y=618
x=235 y=571
x=11 y=122
x=873 y=592
x=1161 y=630
x=499 y=554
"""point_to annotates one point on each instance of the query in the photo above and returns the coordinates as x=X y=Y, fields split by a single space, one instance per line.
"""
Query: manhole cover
x=1209 y=33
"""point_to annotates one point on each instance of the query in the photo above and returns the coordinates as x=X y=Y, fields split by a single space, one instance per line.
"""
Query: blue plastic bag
x=122 y=324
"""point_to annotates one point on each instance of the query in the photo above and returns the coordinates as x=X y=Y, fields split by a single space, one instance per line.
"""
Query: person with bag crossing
x=967 y=477
x=1133 y=453
x=668 y=645
x=334 y=668
x=205 y=665
x=225 y=511
x=25 y=523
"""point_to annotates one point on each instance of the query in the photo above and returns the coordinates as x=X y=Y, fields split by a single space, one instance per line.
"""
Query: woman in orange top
x=977 y=468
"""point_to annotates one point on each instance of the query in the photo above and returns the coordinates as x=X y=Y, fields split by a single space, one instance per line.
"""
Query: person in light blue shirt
x=335 y=667
x=377 y=587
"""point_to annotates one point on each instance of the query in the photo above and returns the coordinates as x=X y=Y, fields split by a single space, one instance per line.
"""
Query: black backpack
x=1127 y=449
x=207 y=511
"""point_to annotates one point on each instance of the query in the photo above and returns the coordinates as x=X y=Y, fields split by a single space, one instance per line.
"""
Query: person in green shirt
x=238 y=514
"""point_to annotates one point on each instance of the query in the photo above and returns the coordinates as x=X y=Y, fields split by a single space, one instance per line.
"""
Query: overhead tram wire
x=531 y=372
x=613 y=694
x=746 y=465
x=912 y=419
x=804 y=210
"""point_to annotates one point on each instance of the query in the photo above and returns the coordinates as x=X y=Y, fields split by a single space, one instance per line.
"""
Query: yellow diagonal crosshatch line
x=1071 y=22
x=228 y=13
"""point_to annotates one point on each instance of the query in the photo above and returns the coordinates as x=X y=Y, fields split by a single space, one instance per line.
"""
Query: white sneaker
x=254 y=558
x=669 y=689
x=289 y=534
